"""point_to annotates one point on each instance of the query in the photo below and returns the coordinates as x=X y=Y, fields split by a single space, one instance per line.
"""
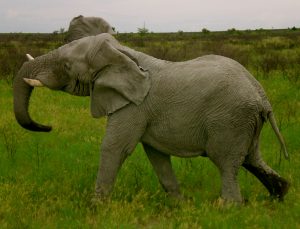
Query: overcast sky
x=158 y=15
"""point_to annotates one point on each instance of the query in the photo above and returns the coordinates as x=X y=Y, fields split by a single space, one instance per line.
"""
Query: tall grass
x=47 y=179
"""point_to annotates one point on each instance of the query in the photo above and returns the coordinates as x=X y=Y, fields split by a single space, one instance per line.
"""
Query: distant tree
x=180 y=32
x=143 y=31
x=293 y=28
x=61 y=30
x=205 y=31
x=260 y=30
x=232 y=30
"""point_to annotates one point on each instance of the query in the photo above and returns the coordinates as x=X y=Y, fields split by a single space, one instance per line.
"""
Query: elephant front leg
x=110 y=163
x=119 y=142
x=163 y=168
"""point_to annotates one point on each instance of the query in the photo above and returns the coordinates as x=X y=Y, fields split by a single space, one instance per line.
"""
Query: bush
x=205 y=31
x=262 y=50
x=13 y=48
x=143 y=31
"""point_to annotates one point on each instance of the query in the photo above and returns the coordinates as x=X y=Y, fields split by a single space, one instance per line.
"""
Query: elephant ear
x=118 y=82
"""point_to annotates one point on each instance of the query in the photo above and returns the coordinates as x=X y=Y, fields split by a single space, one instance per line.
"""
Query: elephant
x=81 y=26
x=210 y=106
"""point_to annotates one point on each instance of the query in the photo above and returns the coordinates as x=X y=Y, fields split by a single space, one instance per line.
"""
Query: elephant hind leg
x=228 y=168
x=230 y=190
x=276 y=185
x=227 y=150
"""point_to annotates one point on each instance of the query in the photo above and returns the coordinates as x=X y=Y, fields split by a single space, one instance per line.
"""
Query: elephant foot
x=276 y=185
x=178 y=198
x=235 y=202
x=98 y=199
x=280 y=187
x=173 y=200
x=176 y=195
x=221 y=203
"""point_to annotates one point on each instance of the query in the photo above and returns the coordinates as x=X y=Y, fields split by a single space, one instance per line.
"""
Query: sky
x=41 y=16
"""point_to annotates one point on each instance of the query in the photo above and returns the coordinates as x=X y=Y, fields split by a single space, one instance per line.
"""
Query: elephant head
x=95 y=66
x=87 y=26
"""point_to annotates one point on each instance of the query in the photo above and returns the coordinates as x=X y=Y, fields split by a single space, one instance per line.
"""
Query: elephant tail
x=278 y=134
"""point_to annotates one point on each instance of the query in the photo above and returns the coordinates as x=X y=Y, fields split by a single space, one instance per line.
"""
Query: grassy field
x=47 y=179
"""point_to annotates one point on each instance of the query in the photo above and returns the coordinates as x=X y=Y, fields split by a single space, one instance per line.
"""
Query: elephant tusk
x=29 y=57
x=33 y=83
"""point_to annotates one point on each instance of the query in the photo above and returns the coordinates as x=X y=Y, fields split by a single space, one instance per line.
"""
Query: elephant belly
x=165 y=146
x=177 y=140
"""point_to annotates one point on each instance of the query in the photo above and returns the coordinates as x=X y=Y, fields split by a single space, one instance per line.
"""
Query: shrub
x=143 y=31
x=205 y=31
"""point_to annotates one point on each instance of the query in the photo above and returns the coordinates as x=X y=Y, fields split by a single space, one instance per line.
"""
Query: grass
x=47 y=179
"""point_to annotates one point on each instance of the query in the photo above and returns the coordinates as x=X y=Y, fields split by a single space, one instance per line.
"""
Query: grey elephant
x=209 y=106
x=81 y=26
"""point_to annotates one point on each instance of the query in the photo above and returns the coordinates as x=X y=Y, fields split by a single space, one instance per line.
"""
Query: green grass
x=47 y=179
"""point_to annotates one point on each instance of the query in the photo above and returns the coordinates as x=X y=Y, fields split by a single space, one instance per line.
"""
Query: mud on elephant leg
x=276 y=185
x=162 y=165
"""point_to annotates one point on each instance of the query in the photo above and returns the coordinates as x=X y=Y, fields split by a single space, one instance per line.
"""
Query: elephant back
x=87 y=26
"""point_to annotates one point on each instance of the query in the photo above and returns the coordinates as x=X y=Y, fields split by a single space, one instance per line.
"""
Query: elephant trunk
x=21 y=94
